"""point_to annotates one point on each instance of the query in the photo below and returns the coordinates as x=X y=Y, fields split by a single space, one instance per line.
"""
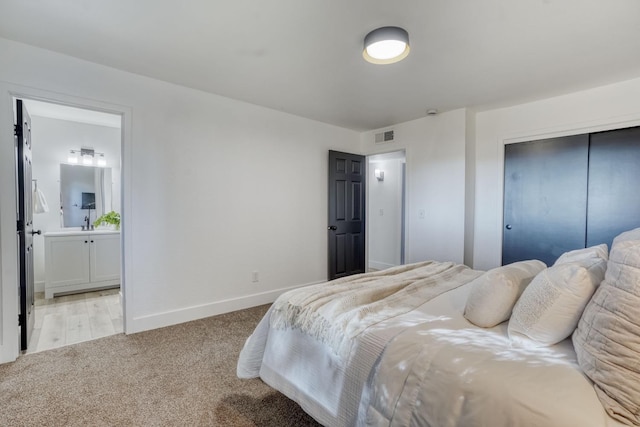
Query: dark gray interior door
x=614 y=181
x=25 y=223
x=545 y=198
x=346 y=214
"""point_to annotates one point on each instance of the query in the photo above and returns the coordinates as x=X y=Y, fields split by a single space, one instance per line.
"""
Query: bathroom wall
x=52 y=139
x=385 y=213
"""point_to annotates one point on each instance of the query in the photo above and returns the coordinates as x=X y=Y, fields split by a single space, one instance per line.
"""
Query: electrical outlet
x=255 y=277
x=421 y=213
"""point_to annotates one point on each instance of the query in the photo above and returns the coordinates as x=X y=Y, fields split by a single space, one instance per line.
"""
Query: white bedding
x=447 y=372
x=437 y=370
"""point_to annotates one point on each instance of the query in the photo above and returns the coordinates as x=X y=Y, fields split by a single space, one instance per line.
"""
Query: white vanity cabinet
x=81 y=260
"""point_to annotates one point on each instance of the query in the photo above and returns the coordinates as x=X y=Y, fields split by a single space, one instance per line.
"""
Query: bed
x=394 y=348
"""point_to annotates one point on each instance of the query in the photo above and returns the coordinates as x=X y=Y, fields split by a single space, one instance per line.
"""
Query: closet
x=569 y=192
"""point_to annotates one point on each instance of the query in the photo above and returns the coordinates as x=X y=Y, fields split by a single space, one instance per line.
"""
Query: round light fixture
x=386 y=45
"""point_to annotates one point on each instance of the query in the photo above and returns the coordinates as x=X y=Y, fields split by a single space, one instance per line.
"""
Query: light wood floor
x=75 y=318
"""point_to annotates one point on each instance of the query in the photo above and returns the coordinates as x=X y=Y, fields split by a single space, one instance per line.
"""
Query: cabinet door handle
x=85 y=241
x=92 y=241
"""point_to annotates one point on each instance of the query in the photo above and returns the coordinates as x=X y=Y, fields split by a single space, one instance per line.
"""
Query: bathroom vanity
x=77 y=261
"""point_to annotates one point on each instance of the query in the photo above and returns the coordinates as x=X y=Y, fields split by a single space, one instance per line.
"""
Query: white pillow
x=494 y=294
x=549 y=309
x=600 y=251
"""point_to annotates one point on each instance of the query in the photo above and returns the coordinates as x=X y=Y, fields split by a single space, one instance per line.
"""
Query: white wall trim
x=187 y=314
x=378 y=265
x=126 y=214
x=568 y=129
x=575 y=128
x=9 y=298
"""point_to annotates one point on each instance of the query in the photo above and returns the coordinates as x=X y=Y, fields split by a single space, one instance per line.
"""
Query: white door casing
x=9 y=298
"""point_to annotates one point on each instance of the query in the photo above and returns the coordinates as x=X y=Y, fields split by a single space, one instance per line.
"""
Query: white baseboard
x=379 y=265
x=38 y=286
x=174 y=317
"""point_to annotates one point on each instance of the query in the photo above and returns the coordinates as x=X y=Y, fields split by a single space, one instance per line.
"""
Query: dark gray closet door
x=614 y=181
x=545 y=198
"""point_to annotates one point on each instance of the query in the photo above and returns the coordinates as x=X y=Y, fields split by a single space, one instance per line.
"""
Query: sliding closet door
x=614 y=182
x=545 y=198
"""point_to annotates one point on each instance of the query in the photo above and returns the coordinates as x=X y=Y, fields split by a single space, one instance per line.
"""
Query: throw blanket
x=336 y=312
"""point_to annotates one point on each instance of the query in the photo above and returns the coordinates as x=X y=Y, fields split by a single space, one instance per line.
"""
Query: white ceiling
x=304 y=56
x=64 y=112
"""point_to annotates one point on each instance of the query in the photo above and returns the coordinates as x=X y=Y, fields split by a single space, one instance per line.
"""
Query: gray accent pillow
x=607 y=339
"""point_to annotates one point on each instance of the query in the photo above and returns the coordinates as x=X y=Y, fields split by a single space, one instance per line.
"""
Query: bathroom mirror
x=85 y=191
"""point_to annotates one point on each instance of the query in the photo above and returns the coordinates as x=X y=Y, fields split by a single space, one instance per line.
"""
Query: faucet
x=86 y=218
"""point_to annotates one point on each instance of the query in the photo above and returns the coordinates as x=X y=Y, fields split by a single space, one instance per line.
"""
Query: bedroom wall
x=435 y=156
x=52 y=140
x=603 y=108
x=222 y=188
x=219 y=189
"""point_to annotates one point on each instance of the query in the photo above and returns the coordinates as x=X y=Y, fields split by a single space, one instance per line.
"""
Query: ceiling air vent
x=384 y=137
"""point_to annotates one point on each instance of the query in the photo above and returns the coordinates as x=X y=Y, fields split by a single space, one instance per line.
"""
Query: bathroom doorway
x=386 y=176
x=75 y=302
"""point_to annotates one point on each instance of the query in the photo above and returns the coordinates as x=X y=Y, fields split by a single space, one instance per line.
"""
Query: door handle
x=35 y=232
x=332 y=228
x=508 y=227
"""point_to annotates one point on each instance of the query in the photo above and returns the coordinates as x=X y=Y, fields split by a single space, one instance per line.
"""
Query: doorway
x=347 y=214
x=386 y=178
x=79 y=309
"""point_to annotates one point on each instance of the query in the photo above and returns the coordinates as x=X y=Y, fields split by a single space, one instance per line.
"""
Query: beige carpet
x=182 y=375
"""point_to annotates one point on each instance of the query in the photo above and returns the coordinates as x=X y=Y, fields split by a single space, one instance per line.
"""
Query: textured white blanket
x=336 y=312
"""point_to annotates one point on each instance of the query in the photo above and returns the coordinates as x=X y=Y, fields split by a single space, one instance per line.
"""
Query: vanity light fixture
x=88 y=155
x=73 y=158
x=386 y=45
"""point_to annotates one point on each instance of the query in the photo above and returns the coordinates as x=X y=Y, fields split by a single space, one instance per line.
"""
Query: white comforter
x=447 y=372
x=427 y=367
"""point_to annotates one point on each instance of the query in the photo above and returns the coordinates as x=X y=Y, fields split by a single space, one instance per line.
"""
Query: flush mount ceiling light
x=386 y=45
